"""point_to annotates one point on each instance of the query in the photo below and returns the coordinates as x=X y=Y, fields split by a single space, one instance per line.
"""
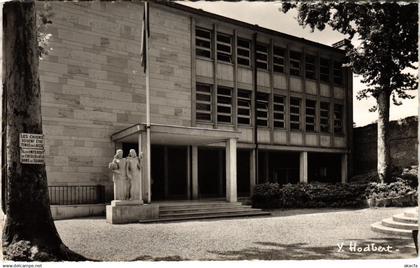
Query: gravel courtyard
x=286 y=235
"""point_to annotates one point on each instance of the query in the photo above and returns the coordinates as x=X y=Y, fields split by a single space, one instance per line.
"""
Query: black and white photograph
x=243 y=133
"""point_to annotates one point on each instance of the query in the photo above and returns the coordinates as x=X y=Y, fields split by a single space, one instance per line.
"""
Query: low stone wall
x=403 y=142
x=60 y=212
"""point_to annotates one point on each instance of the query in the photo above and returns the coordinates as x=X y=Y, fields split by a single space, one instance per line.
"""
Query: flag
x=145 y=35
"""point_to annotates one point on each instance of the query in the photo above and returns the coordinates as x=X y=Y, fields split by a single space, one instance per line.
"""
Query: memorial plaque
x=31 y=148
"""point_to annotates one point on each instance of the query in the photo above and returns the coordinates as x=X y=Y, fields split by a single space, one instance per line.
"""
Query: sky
x=267 y=14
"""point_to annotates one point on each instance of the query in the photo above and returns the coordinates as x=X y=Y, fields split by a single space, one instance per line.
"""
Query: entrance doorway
x=169 y=171
x=211 y=173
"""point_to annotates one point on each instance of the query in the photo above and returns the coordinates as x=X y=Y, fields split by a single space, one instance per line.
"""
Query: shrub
x=339 y=195
x=399 y=193
x=272 y=195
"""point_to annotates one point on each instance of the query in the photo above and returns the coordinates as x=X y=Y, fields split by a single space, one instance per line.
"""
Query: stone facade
x=403 y=142
x=92 y=83
x=93 y=86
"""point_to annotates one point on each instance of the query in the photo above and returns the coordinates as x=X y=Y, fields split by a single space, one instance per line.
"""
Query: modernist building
x=232 y=104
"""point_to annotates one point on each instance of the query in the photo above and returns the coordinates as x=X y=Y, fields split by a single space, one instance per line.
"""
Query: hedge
x=339 y=195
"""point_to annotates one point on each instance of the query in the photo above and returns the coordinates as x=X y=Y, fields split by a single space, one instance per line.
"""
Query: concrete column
x=303 y=167
x=344 y=174
x=146 y=181
x=231 y=192
x=194 y=169
x=252 y=168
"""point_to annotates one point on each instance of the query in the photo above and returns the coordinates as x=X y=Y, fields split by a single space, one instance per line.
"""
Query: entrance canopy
x=175 y=135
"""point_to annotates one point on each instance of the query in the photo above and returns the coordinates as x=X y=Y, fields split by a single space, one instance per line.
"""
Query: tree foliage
x=387 y=32
x=43 y=19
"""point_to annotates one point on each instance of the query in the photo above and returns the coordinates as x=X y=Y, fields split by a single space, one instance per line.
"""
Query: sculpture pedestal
x=130 y=211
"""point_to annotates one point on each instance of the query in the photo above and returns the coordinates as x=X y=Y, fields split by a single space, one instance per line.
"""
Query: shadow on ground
x=402 y=248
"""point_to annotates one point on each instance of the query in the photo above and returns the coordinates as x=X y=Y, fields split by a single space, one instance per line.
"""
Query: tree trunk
x=384 y=157
x=29 y=232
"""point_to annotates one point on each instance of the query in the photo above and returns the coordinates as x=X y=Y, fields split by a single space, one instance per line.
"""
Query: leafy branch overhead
x=43 y=20
x=387 y=32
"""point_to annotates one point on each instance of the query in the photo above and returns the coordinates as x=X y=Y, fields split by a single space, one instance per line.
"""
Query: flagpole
x=148 y=165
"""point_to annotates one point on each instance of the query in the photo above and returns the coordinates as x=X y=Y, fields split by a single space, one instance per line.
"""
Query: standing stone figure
x=119 y=176
x=134 y=165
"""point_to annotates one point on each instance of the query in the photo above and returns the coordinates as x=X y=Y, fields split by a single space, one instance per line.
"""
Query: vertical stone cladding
x=170 y=70
x=93 y=84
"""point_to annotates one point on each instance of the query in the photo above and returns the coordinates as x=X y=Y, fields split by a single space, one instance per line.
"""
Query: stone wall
x=403 y=142
x=93 y=84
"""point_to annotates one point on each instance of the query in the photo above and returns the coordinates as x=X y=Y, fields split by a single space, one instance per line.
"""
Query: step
x=170 y=210
x=195 y=205
x=378 y=227
x=402 y=218
x=389 y=222
x=412 y=213
x=211 y=216
x=207 y=212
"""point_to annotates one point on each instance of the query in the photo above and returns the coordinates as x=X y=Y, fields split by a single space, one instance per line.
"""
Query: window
x=224 y=47
x=224 y=104
x=325 y=117
x=310 y=115
x=262 y=56
x=338 y=73
x=278 y=105
x=203 y=42
x=278 y=59
x=244 y=107
x=324 y=69
x=262 y=109
x=295 y=61
x=310 y=66
x=244 y=52
x=295 y=113
x=338 y=118
x=203 y=102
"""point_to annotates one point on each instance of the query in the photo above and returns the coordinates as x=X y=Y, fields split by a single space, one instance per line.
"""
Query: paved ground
x=287 y=235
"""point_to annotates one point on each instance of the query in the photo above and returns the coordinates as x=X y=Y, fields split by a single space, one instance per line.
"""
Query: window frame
x=299 y=106
x=248 y=107
x=240 y=47
x=340 y=74
x=322 y=117
x=310 y=115
x=277 y=111
x=310 y=67
x=202 y=48
x=263 y=110
x=339 y=119
x=222 y=104
x=210 y=102
x=266 y=54
x=322 y=67
x=295 y=60
x=280 y=58
x=222 y=43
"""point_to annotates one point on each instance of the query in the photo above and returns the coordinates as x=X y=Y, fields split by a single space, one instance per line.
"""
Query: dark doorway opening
x=169 y=172
x=211 y=173
x=278 y=167
x=324 y=167
x=243 y=173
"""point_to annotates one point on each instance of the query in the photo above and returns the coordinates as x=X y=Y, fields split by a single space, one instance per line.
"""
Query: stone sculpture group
x=126 y=175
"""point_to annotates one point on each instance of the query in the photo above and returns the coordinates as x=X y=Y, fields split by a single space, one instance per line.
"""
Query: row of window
x=224 y=52
x=225 y=99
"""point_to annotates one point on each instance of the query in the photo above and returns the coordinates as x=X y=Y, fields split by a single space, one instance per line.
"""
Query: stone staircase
x=196 y=210
x=400 y=225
